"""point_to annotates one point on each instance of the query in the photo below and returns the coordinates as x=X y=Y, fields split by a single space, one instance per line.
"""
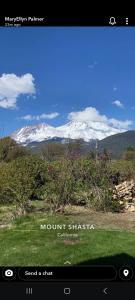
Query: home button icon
x=67 y=291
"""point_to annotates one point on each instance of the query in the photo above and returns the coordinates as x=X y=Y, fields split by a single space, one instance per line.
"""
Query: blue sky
x=47 y=73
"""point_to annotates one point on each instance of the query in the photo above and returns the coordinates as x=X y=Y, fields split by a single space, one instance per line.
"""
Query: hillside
x=117 y=143
x=85 y=146
x=35 y=137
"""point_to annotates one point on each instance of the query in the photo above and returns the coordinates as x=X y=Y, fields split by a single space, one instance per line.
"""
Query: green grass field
x=22 y=242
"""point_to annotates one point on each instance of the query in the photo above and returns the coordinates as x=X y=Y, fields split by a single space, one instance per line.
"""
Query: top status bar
x=110 y=21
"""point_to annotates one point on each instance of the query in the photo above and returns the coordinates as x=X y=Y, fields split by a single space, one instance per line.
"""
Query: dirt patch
x=104 y=220
x=71 y=242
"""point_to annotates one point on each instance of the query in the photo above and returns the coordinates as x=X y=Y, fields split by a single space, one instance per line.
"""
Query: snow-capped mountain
x=78 y=130
x=37 y=133
x=71 y=130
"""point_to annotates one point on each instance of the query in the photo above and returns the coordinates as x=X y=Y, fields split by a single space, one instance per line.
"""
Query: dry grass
x=103 y=220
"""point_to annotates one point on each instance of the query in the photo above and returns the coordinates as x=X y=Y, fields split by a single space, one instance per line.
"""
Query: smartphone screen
x=67 y=156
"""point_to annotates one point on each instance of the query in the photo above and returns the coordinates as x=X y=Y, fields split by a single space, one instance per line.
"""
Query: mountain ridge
x=118 y=143
x=35 y=136
x=72 y=130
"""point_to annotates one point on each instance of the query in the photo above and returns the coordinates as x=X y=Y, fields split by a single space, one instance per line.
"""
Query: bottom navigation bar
x=70 y=290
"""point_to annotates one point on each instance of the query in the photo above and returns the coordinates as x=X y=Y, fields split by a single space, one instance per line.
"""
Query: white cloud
x=115 y=88
x=55 y=105
x=120 y=124
x=27 y=118
x=12 y=86
x=118 y=103
x=99 y=124
x=88 y=114
x=40 y=117
x=93 y=65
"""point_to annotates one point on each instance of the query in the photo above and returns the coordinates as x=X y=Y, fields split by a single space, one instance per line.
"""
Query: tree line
x=60 y=175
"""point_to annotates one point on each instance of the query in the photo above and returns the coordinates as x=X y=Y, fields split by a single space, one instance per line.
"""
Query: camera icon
x=9 y=273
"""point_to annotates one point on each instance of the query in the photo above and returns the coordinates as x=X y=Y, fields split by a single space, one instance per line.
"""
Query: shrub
x=22 y=179
x=10 y=150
